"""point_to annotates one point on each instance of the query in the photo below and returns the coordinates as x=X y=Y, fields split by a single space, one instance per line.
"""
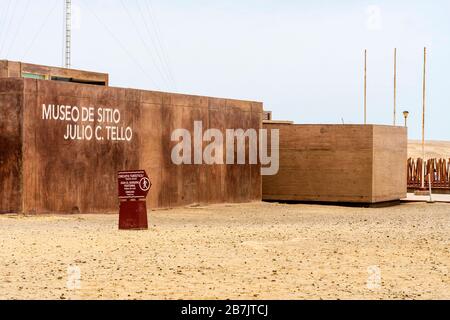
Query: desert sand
x=249 y=251
x=433 y=149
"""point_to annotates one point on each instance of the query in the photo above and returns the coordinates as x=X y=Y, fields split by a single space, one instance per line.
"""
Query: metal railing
x=437 y=169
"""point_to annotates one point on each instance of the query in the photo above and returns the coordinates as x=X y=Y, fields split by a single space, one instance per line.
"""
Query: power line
x=124 y=48
x=8 y=25
x=4 y=18
x=159 y=45
x=163 y=76
x=3 y=21
x=39 y=30
x=4 y=11
x=155 y=45
x=19 y=28
x=159 y=37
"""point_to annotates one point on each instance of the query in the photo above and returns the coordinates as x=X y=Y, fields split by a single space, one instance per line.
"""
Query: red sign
x=133 y=184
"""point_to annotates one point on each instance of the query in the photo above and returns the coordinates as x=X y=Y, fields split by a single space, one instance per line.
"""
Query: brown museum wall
x=11 y=97
x=63 y=176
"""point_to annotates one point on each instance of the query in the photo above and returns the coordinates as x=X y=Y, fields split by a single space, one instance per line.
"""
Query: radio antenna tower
x=68 y=34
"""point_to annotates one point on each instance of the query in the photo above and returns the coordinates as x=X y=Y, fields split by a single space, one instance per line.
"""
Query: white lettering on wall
x=87 y=123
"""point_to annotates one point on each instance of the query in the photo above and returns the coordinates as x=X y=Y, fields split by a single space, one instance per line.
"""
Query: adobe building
x=64 y=135
x=339 y=163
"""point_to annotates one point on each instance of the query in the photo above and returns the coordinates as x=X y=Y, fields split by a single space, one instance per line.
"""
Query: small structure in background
x=267 y=115
x=339 y=164
x=13 y=69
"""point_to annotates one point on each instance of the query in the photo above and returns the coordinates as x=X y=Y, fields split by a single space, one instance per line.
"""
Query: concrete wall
x=336 y=163
x=77 y=175
x=390 y=147
x=11 y=98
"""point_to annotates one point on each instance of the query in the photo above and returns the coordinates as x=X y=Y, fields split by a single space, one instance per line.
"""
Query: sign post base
x=133 y=215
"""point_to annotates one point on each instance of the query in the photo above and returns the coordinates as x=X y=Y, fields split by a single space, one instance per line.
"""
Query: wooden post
x=365 y=86
x=395 y=86
x=430 y=189
x=423 y=110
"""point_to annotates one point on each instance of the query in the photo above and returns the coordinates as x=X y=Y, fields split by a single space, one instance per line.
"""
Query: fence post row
x=439 y=170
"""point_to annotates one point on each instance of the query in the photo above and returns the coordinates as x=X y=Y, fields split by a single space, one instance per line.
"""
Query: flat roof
x=15 y=69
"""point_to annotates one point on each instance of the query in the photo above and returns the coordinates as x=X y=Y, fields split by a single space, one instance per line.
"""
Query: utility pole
x=395 y=86
x=423 y=113
x=365 y=86
x=68 y=33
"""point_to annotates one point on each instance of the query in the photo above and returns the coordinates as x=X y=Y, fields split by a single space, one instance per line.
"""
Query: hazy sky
x=303 y=59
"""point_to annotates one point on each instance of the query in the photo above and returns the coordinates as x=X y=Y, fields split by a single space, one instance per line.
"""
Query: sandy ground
x=433 y=149
x=251 y=251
